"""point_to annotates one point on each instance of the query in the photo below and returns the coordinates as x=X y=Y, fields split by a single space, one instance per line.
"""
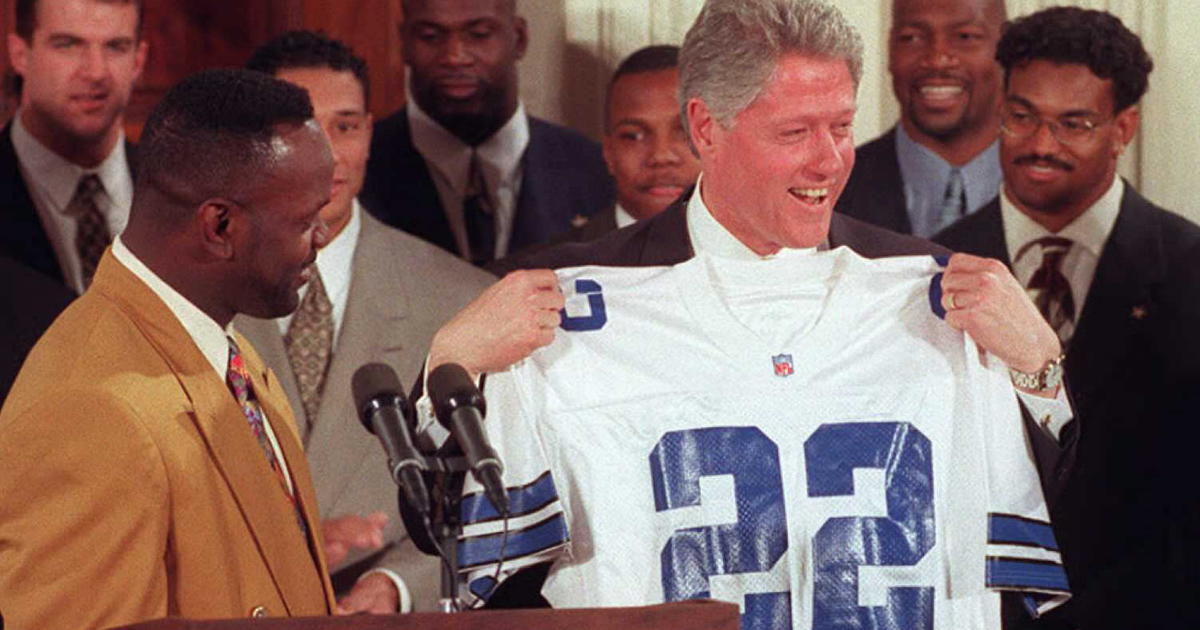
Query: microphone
x=382 y=410
x=460 y=408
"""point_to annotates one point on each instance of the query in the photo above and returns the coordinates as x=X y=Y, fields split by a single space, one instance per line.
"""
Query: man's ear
x=522 y=33
x=701 y=126
x=219 y=227
x=18 y=53
x=1126 y=125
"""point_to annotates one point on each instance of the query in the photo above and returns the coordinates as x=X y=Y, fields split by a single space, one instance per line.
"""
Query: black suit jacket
x=29 y=302
x=1127 y=516
x=564 y=176
x=663 y=240
x=875 y=191
x=22 y=236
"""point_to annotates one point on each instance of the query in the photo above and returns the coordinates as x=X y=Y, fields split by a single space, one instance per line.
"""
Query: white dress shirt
x=1088 y=234
x=211 y=340
x=52 y=181
x=449 y=161
x=624 y=219
x=335 y=263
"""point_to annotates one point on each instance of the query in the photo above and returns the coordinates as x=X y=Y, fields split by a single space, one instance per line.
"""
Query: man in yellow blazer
x=149 y=463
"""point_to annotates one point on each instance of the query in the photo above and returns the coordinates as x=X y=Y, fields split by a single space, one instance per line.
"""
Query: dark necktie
x=954 y=200
x=479 y=214
x=1050 y=290
x=91 y=230
x=238 y=379
x=309 y=341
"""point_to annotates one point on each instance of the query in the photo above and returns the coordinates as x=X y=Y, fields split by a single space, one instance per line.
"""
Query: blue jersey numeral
x=757 y=541
x=597 y=315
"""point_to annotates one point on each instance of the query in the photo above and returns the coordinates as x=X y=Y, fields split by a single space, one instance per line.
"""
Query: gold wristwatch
x=1047 y=378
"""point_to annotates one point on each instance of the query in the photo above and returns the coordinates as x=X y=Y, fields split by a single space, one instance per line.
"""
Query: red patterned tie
x=238 y=379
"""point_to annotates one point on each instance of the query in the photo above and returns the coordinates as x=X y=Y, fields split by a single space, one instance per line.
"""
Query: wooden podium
x=690 y=615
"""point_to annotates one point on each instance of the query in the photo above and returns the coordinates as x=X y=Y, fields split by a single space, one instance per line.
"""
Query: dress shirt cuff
x=1051 y=414
x=404 y=602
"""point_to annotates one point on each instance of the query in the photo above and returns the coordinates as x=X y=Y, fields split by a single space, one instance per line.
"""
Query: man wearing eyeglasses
x=1118 y=278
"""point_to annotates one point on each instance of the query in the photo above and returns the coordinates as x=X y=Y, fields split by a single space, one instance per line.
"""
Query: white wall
x=575 y=44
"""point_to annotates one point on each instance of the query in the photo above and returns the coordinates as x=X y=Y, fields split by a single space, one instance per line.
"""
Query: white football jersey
x=846 y=461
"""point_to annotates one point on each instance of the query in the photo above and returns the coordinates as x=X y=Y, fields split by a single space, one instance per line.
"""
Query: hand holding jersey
x=803 y=436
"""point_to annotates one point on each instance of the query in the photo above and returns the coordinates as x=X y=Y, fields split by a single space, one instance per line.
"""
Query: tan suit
x=132 y=485
x=402 y=290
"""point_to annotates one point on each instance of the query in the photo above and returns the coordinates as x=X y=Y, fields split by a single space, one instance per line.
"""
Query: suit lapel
x=980 y=233
x=666 y=240
x=22 y=236
x=1120 y=307
x=268 y=513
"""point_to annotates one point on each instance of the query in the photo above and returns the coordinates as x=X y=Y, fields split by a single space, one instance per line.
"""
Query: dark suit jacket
x=1127 y=517
x=875 y=190
x=22 y=236
x=29 y=302
x=564 y=176
x=663 y=240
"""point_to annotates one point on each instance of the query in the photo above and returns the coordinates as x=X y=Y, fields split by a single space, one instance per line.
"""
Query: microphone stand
x=445 y=524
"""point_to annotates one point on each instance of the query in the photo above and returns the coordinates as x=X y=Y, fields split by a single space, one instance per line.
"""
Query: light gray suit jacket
x=402 y=290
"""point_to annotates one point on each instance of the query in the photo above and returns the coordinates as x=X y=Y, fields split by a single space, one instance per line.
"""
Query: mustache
x=1033 y=159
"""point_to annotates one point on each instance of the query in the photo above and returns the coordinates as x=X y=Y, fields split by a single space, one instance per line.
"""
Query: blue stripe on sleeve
x=935 y=296
x=476 y=508
x=1015 y=573
x=482 y=587
x=481 y=550
x=1006 y=529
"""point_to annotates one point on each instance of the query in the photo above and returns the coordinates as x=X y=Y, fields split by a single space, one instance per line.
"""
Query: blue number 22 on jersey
x=757 y=541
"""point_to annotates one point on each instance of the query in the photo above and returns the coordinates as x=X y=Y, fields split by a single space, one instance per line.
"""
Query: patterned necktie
x=91 y=230
x=1050 y=290
x=238 y=379
x=309 y=342
x=479 y=214
x=954 y=202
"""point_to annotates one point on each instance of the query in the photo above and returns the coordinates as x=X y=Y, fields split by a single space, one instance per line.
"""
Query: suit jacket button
x=259 y=611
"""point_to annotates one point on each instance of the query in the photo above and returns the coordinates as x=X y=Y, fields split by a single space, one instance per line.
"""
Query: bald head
x=941 y=54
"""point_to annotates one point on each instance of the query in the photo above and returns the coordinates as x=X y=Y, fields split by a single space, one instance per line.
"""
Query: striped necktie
x=1050 y=290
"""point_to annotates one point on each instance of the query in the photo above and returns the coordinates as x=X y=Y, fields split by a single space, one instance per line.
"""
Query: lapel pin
x=579 y=221
x=1139 y=312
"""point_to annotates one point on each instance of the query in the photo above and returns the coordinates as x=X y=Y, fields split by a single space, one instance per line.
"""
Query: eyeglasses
x=1067 y=130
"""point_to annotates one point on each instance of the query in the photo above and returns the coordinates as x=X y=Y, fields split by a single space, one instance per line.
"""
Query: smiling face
x=280 y=227
x=78 y=71
x=463 y=55
x=340 y=109
x=1051 y=181
x=772 y=177
x=645 y=145
x=941 y=56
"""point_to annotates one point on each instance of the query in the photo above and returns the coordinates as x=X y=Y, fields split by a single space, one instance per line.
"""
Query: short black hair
x=1096 y=39
x=310 y=49
x=211 y=134
x=26 y=16
x=646 y=59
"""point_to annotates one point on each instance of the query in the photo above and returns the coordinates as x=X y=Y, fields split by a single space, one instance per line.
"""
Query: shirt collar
x=1090 y=230
x=713 y=239
x=623 y=217
x=500 y=154
x=335 y=259
x=60 y=177
x=209 y=337
x=920 y=167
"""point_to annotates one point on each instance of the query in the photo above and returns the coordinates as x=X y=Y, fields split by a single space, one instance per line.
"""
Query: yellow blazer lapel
x=299 y=575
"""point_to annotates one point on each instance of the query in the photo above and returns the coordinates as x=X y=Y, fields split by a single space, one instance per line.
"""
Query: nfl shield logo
x=783 y=364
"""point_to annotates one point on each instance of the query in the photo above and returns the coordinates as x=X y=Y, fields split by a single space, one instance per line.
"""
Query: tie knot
x=1053 y=247
x=88 y=186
